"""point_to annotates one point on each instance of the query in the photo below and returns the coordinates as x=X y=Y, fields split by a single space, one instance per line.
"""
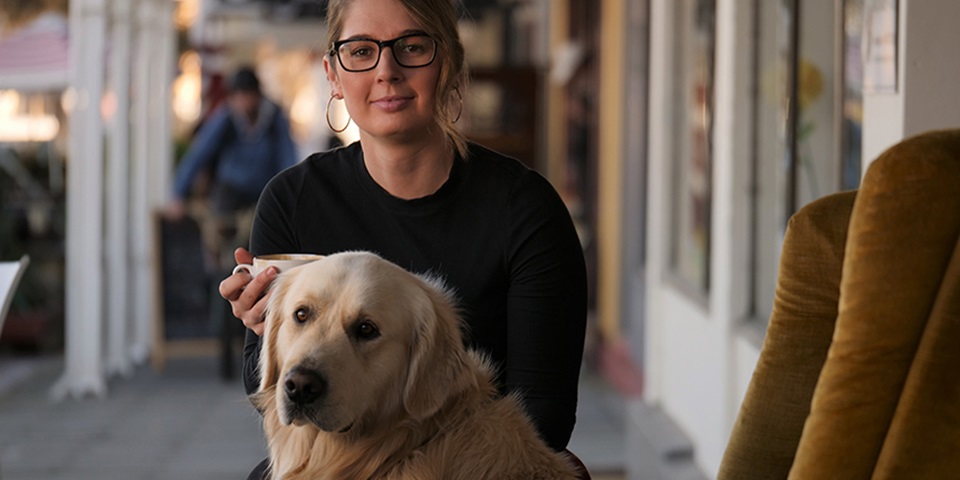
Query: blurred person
x=413 y=190
x=239 y=146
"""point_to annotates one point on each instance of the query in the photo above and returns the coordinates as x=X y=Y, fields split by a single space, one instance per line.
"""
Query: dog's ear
x=269 y=363
x=438 y=365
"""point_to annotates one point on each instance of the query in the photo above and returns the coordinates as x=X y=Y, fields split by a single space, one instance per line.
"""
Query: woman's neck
x=408 y=171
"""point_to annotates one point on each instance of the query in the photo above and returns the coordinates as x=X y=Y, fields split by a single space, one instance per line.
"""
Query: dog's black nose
x=303 y=386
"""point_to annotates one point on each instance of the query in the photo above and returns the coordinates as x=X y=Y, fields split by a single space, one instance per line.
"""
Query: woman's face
x=390 y=101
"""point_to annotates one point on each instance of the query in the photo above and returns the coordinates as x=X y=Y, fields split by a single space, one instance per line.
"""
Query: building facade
x=682 y=134
x=753 y=109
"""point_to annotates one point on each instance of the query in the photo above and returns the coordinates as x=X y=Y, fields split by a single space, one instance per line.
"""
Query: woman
x=415 y=192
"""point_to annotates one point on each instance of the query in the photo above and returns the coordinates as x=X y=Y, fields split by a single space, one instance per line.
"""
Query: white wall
x=929 y=70
x=696 y=363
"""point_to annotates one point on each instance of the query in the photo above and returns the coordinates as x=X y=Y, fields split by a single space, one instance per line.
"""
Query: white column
x=118 y=182
x=162 y=110
x=84 y=237
x=153 y=160
x=141 y=223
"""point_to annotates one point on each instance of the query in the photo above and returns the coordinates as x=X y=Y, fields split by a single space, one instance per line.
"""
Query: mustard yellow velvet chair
x=859 y=374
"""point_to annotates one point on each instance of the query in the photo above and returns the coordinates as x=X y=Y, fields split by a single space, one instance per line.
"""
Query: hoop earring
x=329 y=123
x=459 y=96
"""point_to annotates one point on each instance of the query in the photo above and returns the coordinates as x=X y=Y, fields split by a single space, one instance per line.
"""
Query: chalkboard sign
x=185 y=282
x=182 y=322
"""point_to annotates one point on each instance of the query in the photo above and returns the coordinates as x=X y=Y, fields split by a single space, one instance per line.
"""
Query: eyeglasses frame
x=335 y=51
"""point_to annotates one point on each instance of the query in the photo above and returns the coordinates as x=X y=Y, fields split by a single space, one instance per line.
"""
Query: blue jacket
x=244 y=157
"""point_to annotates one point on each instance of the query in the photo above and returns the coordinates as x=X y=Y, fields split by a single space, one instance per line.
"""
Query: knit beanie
x=245 y=79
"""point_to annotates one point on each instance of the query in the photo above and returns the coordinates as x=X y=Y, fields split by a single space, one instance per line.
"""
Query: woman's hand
x=246 y=294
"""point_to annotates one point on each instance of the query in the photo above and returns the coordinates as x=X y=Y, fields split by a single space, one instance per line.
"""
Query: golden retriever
x=364 y=376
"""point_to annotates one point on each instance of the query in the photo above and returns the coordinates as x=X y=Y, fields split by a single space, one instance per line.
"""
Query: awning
x=36 y=57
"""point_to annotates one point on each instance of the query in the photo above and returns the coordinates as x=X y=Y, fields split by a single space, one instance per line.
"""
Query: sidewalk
x=186 y=423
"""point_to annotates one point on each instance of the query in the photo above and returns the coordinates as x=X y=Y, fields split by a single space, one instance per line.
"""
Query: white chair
x=10 y=274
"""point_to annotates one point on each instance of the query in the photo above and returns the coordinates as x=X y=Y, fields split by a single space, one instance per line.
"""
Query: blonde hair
x=439 y=20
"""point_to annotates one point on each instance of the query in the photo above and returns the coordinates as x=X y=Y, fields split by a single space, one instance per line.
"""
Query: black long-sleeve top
x=496 y=232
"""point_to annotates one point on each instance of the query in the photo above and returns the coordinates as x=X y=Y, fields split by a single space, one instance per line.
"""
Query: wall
x=697 y=364
x=929 y=67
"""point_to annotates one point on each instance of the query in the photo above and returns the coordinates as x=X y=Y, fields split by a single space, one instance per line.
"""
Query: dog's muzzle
x=304 y=386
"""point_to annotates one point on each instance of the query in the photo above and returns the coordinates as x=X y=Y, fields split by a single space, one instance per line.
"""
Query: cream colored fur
x=410 y=404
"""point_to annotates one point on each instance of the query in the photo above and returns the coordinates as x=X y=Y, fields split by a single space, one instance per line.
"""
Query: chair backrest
x=859 y=376
x=777 y=402
x=10 y=274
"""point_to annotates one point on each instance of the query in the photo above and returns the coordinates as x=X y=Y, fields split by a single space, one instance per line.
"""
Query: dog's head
x=354 y=340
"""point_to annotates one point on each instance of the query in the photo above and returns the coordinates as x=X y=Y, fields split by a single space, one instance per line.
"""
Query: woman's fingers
x=251 y=303
x=232 y=286
x=256 y=315
x=241 y=255
x=248 y=295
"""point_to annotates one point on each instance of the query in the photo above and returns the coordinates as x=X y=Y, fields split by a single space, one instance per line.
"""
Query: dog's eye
x=366 y=330
x=301 y=315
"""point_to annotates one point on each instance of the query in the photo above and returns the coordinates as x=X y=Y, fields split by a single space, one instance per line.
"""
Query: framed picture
x=692 y=202
x=880 y=21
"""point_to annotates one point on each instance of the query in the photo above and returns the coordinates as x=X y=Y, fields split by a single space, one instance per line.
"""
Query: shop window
x=690 y=255
x=807 y=120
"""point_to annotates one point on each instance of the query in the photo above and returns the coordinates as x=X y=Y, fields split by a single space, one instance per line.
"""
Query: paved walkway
x=186 y=423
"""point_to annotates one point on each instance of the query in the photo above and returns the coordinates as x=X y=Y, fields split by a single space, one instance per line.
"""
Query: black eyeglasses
x=362 y=54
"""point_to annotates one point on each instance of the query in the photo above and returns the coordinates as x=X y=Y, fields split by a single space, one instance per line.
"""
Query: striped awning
x=36 y=57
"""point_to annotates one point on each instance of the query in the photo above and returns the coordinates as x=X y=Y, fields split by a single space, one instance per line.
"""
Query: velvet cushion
x=924 y=436
x=887 y=403
x=768 y=426
x=880 y=341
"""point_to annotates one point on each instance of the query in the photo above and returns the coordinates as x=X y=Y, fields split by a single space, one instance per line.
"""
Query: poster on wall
x=693 y=194
x=880 y=46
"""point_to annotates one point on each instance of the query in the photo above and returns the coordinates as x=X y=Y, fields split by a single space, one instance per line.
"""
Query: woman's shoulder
x=507 y=171
x=492 y=166
x=493 y=161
